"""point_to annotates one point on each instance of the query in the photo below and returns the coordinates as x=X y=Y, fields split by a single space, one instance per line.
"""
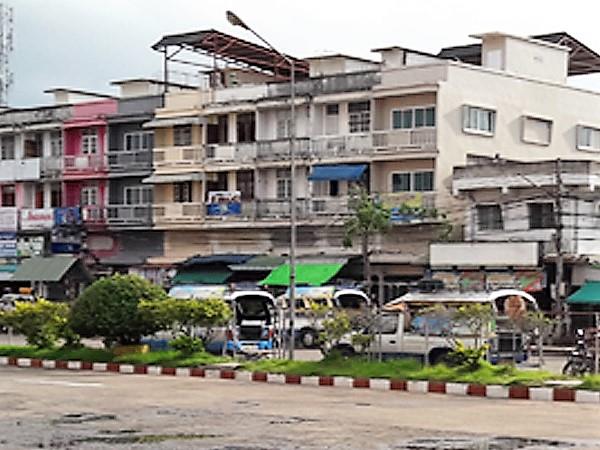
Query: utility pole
x=6 y=47
x=558 y=239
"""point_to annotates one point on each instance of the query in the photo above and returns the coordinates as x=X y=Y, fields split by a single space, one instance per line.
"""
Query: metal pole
x=596 y=343
x=379 y=321
x=559 y=252
x=293 y=209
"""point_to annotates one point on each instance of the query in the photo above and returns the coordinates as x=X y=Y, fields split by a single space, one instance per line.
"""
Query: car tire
x=308 y=338
x=438 y=356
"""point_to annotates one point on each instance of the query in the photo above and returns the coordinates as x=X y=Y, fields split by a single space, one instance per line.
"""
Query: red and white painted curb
x=556 y=394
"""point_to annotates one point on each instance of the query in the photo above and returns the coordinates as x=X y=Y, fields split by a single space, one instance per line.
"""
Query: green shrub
x=187 y=345
x=334 y=329
x=469 y=358
x=109 y=309
x=43 y=323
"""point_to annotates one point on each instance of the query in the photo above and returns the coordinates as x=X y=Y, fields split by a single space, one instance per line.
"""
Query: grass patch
x=171 y=358
x=72 y=354
x=591 y=382
x=404 y=369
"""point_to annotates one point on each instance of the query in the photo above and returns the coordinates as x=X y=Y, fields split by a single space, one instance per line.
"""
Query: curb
x=548 y=394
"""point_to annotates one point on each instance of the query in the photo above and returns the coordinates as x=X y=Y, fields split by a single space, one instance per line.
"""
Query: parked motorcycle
x=580 y=361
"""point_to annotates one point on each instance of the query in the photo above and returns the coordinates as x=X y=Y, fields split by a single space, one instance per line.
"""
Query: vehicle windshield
x=350 y=301
x=253 y=308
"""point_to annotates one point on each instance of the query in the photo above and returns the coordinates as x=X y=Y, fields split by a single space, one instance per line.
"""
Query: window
x=56 y=143
x=479 y=120
x=39 y=196
x=182 y=192
x=588 y=138
x=246 y=127
x=541 y=215
x=401 y=182
x=489 y=217
x=137 y=195
x=412 y=181
x=8 y=147
x=140 y=140
x=8 y=195
x=89 y=196
x=244 y=181
x=407 y=119
x=332 y=119
x=537 y=131
x=423 y=181
x=89 y=141
x=182 y=135
x=283 y=183
x=402 y=119
x=283 y=124
x=32 y=145
x=359 y=117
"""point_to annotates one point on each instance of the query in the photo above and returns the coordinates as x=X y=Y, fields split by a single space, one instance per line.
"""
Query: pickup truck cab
x=406 y=332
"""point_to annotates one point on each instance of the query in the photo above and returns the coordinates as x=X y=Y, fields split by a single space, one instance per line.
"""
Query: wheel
x=574 y=368
x=308 y=338
x=345 y=351
x=438 y=356
x=567 y=369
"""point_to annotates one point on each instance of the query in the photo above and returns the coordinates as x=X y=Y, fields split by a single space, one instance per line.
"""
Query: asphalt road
x=59 y=409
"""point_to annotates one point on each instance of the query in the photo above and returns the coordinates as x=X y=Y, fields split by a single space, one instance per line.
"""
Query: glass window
x=402 y=119
x=359 y=117
x=182 y=192
x=56 y=143
x=283 y=183
x=89 y=196
x=588 y=138
x=401 y=182
x=423 y=181
x=33 y=145
x=430 y=117
x=489 y=217
x=479 y=119
x=89 y=141
x=8 y=147
x=8 y=195
x=332 y=109
x=138 y=195
x=182 y=135
x=140 y=140
x=537 y=131
x=541 y=215
x=419 y=118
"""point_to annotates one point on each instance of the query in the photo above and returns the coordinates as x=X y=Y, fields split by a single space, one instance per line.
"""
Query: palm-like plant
x=369 y=218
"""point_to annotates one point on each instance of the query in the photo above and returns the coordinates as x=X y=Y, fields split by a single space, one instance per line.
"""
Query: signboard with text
x=37 y=219
x=8 y=245
x=8 y=218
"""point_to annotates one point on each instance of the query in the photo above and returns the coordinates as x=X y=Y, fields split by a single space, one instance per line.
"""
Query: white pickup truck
x=406 y=333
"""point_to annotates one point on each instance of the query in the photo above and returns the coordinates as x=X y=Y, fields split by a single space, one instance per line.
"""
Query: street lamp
x=236 y=21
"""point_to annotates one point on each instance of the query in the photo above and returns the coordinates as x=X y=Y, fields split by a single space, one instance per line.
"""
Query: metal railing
x=93 y=214
x=342 y=146
x=178 y=212
x=130 y=159
x=279 y=149
x=52 y=166
x=422 y=138
x=74 y=163
x=129 y=214
x=178 y=156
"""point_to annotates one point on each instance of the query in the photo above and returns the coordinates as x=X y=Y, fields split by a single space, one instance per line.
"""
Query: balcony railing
x=391 y=140
x=178 y=212
x=76 y=163
x=129 y=215
x=329 y=206
x=20 y=170
x=130 y=159
x=93 y=214
x=280 y=208
x=342 y=146
x=178 y=156
x=279 y=149
x=52 y=166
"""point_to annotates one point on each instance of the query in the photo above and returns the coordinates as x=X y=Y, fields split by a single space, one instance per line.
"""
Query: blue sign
x=65 y=247
x=67 y=216
x=8 y=245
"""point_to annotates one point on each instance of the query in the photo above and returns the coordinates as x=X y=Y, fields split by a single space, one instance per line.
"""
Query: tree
x=109 y=309
x=536 y=323
x=477 y=317
x=369 y=218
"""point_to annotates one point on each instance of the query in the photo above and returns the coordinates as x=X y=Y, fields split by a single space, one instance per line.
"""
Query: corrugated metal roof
x=51 y=268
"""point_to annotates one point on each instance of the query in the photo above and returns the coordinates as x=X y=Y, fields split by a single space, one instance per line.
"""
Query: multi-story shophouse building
x=398 y=126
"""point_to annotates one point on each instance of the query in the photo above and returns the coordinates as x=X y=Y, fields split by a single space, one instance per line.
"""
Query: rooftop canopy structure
x=230 y=50
x=582 y=59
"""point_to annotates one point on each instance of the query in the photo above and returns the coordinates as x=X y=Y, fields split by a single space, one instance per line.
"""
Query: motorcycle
x=580 y=361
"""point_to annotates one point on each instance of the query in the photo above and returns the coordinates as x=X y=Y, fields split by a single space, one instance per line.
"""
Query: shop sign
x=37 y=219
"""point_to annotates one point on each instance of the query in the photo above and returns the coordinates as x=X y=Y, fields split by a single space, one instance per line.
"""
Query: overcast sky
x=87 y=43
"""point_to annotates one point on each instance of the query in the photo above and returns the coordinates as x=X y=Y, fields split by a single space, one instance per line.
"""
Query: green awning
x=49 y=269
x=588 y=294
x=202 y=277
x=306 y=274
x=261 y=263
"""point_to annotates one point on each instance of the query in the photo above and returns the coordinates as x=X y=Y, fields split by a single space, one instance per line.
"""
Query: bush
x=187 y=345
x=466 y=357
x=183 y=315
x=334 y=329
x=43 y=323
x=109 y=309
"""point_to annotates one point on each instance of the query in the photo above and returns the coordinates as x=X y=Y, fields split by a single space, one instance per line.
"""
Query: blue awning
x=348 y=172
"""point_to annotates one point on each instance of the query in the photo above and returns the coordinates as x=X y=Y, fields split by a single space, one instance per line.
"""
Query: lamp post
x=236 y=21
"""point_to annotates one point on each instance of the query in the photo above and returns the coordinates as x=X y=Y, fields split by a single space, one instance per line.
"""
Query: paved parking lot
x=59 y=409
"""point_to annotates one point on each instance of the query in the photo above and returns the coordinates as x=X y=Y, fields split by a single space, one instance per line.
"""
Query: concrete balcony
x=422 y=139
x=93 y=214
x=130 y=161
x=178 y=157
x=178 y=213
x=329 y=206
x=351 y=145
x=84 y=163
x=20 y=170
x=52 y=166
x=279 y=149
x=129 y=215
